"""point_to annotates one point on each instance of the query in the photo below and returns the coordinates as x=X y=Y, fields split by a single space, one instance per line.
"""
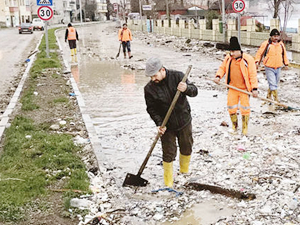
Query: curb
x=14 y=100
x=95 y=142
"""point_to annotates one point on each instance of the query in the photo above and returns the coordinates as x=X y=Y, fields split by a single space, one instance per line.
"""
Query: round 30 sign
x=45 y=12
x=238 y=6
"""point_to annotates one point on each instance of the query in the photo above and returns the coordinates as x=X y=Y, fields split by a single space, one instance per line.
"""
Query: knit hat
x=274 y=32
x=153 y=65
x=234 y=44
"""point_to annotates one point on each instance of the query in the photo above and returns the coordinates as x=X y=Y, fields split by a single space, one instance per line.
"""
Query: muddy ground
x=265 y=163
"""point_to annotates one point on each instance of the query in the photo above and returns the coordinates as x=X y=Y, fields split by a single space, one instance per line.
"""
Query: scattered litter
x=178 y=193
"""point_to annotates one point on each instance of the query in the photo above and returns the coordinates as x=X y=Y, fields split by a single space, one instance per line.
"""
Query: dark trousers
x=185 y=142
x=72 y=44
x=126 y=44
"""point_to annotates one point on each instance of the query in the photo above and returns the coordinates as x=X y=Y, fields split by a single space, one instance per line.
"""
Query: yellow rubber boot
x=275 y=95
x=269 y=94
x=72 y=52
x=168 y=173
x=245 y=119
x=75 y=51
x=234 y=121
x=184 y=162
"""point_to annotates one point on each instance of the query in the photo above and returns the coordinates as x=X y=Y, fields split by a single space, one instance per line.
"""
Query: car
x=38 y=24
x=25 y=27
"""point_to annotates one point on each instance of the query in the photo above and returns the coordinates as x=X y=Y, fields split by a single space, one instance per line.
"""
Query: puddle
x=205 y=213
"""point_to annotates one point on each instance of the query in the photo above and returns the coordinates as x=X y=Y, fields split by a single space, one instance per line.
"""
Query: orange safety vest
x=275 y=54
x=71 y=33
x=248 y=69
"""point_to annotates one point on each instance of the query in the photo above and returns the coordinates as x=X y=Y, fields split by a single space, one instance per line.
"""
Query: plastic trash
x=72 y=94
x=169 y=190
x=27 y=60
x=246 y=155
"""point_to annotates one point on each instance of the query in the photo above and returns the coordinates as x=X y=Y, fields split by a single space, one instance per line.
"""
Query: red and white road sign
x=115 y=6
x=45 y=12
x=238 y=6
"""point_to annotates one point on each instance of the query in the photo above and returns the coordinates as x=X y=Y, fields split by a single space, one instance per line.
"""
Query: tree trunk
x=276 y=8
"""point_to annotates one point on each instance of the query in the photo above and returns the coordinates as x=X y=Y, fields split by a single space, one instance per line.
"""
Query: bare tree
x=275 y=4
x=288 y=9
x=110 y=9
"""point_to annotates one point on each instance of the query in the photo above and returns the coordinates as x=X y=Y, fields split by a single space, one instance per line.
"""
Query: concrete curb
x=95 y=142
x=14 y=100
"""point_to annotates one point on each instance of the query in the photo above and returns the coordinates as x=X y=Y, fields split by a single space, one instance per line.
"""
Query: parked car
x=25 y=27
x=38 y=24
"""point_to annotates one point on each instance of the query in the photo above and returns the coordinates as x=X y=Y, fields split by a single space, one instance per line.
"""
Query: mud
x=113 y=93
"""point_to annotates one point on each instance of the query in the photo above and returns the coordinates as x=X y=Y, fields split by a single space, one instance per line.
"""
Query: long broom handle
x=164 y=122
x=249 y=93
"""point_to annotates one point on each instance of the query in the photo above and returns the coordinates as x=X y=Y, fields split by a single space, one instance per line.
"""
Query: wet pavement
x=113 y=94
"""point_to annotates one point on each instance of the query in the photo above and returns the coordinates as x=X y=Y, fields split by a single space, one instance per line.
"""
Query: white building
x=14 y=12
x=101 y=10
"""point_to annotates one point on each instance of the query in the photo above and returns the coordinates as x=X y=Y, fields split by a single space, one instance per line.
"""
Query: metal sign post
x=238 y=6
x=46 y=39
x=45 y=13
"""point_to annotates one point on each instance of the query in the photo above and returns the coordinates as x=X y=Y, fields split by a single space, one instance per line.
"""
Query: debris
x=220 y=190
x=224 y=124
x=169 y=190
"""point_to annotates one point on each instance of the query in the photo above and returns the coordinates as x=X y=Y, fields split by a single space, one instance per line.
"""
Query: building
x=14 y=12
x=101 y=10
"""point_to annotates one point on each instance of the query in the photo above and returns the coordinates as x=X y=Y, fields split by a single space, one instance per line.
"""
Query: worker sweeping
x=159 y=93
x=240 y=72
x=275 y=57
x=125 y=36
x=71 y=35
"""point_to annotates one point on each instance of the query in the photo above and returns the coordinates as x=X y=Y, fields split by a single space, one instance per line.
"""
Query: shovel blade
x=134 y=180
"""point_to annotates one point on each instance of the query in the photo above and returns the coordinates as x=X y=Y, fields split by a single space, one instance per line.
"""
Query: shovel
x=261 y=98
x=137 y=180
x=119 y=51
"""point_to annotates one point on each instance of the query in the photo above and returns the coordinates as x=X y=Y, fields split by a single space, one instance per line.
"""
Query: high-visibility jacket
x=274 y=53
x=125 y=35
x=71 y=33
x=247 y=67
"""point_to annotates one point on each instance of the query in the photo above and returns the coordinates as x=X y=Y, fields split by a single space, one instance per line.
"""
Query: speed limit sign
x=238 y=6
x=45 y=12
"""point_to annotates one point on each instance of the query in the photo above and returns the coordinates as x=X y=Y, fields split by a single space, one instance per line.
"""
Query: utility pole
x=80 y=8
x=140 y=2
x=223 y=20
x=167 y=11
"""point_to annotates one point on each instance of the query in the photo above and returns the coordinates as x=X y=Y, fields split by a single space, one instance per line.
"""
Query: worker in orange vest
x=274 y=53
x=125 y=37
x=240 y=71
x=72 y=35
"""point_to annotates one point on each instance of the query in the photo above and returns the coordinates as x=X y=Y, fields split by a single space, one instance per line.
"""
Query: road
x=112 y=91
x=14 y=49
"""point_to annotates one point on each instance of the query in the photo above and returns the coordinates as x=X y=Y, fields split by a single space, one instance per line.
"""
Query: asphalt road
x=14 y=49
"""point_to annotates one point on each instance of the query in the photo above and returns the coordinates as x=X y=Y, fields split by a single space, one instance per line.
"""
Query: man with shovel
x=240 y=71
x=159 y=93
x=125 y=37
x=275 y=58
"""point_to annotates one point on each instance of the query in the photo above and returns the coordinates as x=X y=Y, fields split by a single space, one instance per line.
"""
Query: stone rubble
x=265 y=163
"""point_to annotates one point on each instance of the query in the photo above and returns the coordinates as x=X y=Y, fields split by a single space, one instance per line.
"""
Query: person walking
x=125 y=37
x=71 y=35
x=240 y=72
x=274 y=53
x=159 y=93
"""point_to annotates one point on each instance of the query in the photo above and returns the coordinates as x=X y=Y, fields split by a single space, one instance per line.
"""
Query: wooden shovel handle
x=164 y=122
x=249 y=93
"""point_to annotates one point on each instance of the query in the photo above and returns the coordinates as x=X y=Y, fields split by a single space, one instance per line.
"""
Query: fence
x=249 y=35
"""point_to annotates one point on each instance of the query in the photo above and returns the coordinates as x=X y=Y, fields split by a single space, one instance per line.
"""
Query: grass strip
x=33 y=158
